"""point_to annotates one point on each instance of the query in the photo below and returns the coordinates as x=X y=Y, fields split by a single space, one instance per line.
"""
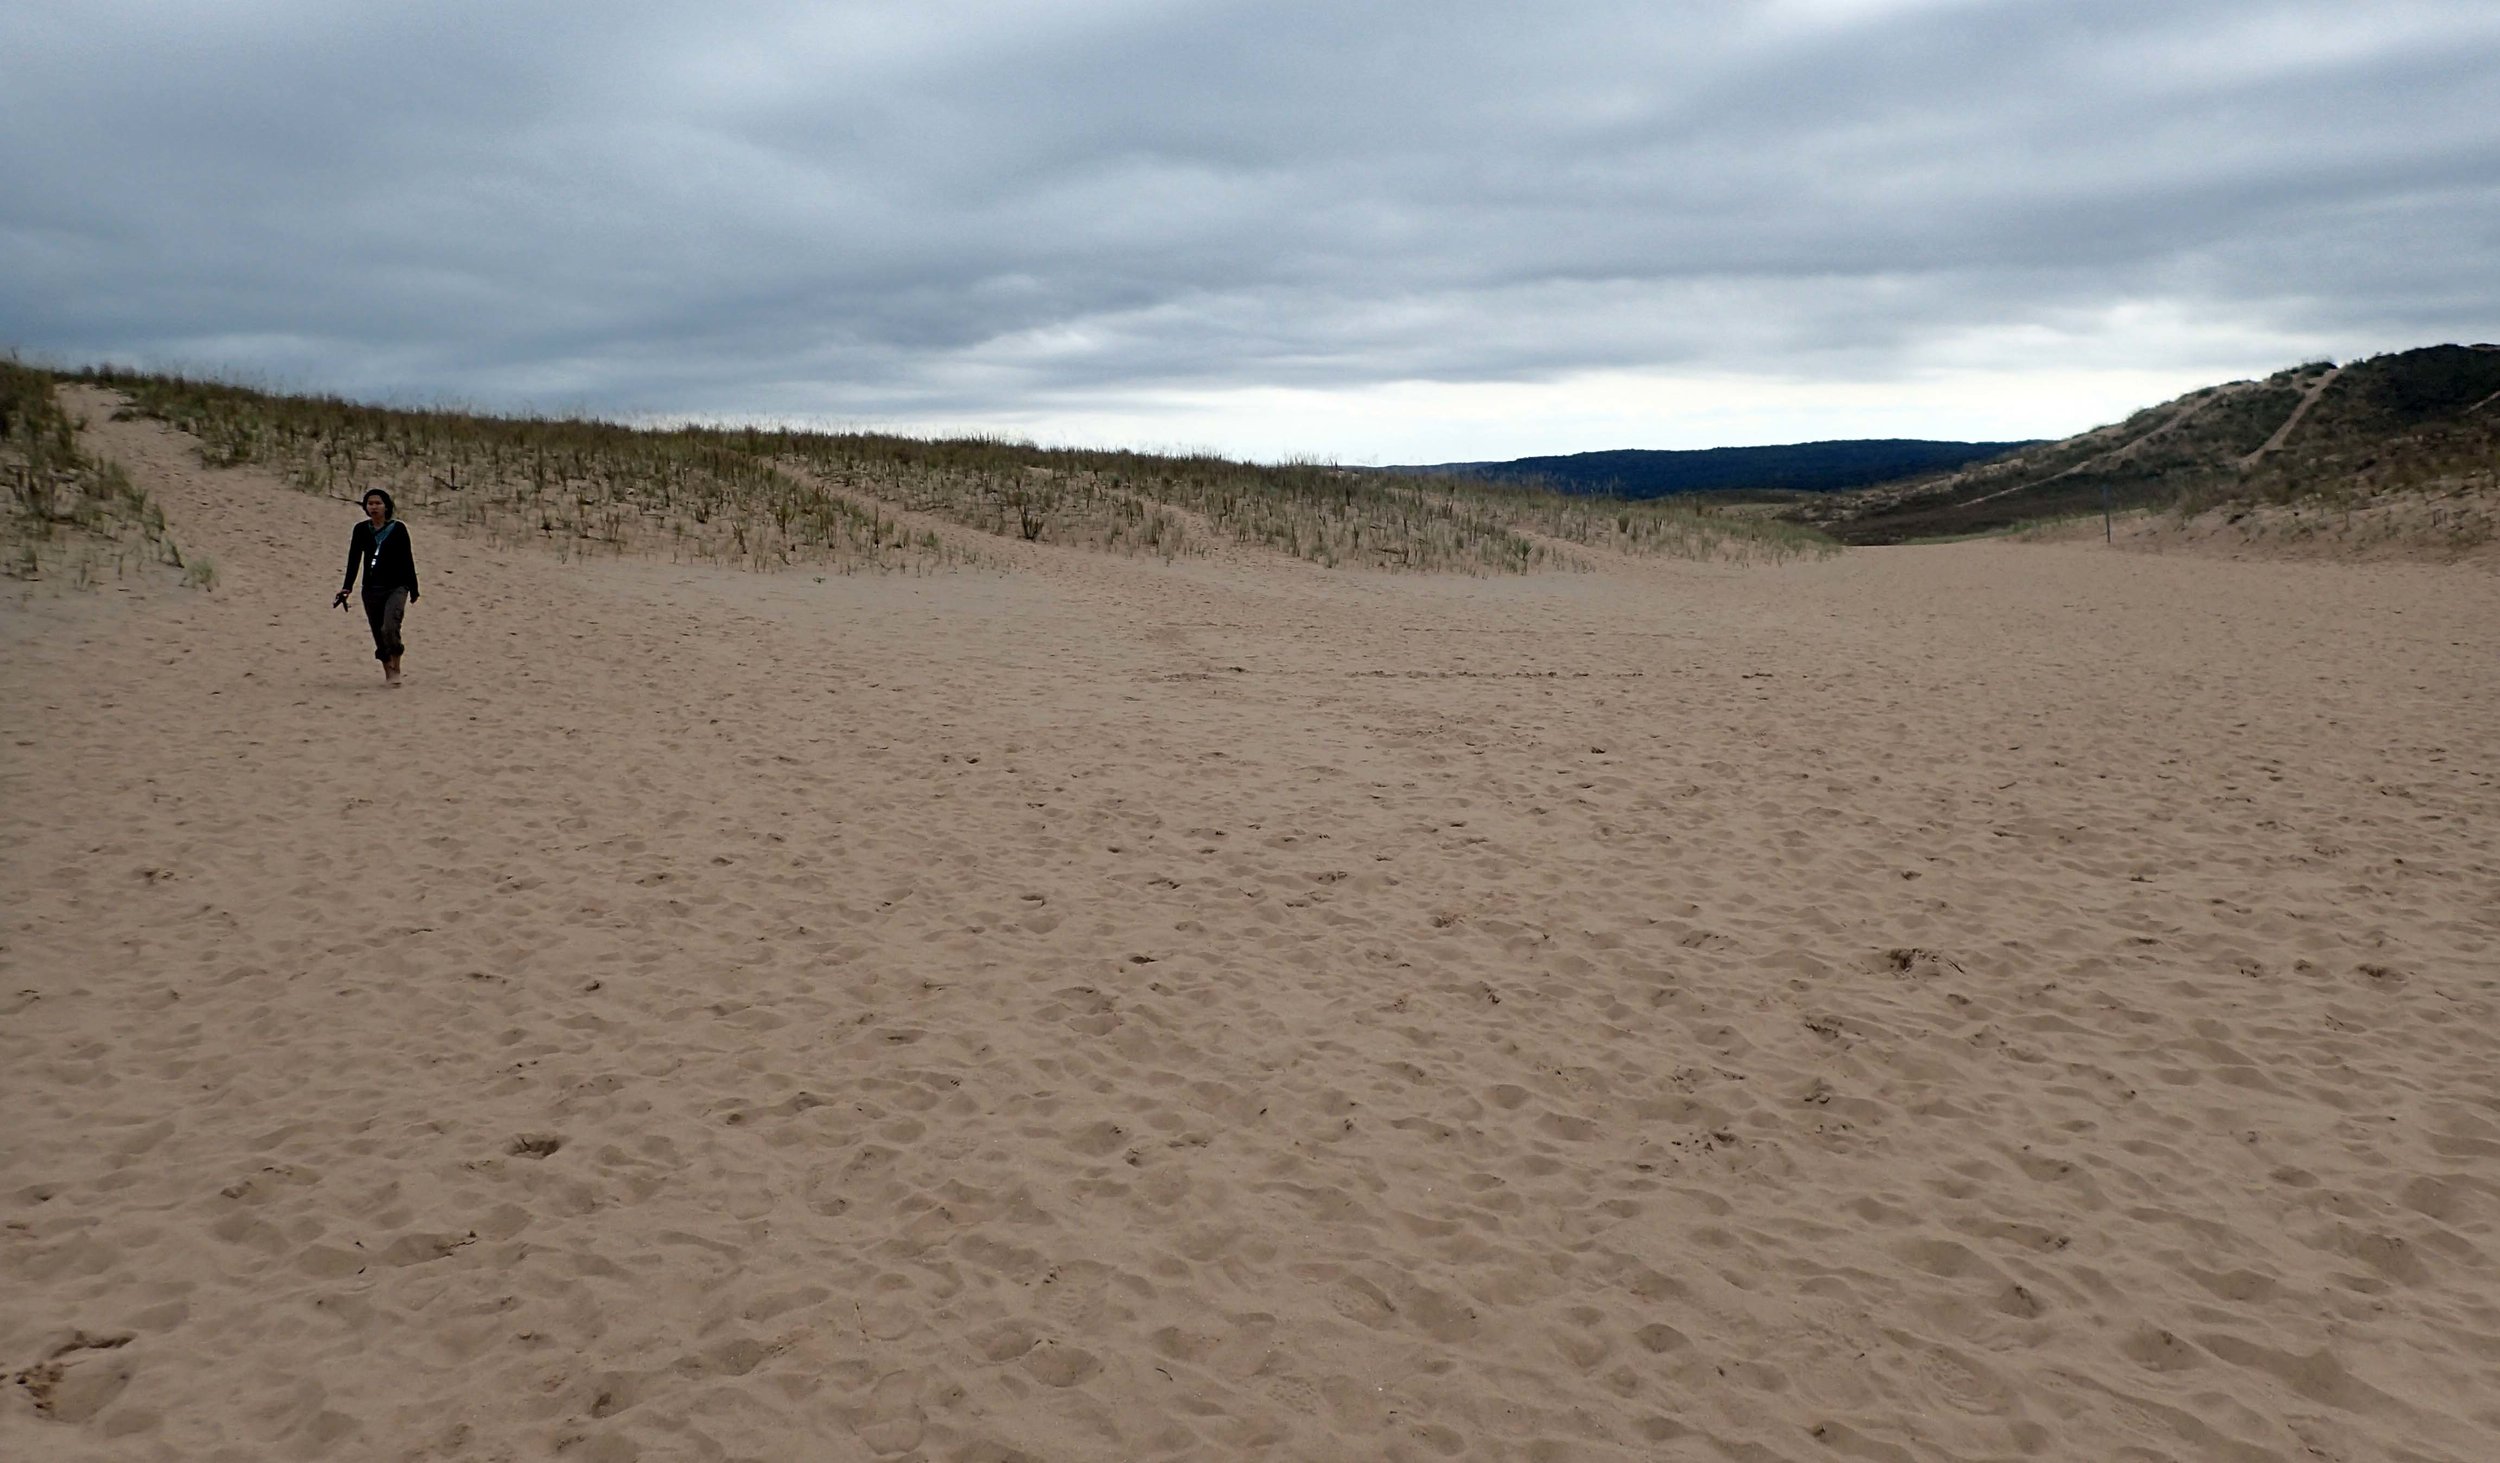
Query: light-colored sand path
x=1966 y=1003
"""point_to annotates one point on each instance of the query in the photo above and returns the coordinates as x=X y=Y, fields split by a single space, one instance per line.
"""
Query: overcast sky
x=1366 y=230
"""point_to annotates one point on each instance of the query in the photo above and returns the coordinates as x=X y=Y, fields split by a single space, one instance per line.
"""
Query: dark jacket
x=392 y=567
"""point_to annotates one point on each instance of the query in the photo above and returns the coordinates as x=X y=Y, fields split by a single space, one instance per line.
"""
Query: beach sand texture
x=1979 y=1002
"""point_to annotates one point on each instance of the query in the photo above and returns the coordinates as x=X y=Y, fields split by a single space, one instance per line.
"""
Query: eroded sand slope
x=1957 y=1003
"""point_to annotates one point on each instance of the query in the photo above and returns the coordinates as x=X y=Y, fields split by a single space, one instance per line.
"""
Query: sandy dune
x=1967 y=1003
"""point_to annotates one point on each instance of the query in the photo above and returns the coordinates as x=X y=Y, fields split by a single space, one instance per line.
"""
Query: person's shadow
x=349 y=688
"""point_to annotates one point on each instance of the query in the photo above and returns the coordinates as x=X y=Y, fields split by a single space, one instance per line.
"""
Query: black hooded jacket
x=391 y=567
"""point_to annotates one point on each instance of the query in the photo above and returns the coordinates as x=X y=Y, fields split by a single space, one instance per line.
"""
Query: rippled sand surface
x=1960 y=1003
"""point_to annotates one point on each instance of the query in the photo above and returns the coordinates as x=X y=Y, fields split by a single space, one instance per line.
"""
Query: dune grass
x=578 y=486
x=1170 y=505
x=68 y=517
x=766 y=498
x=1680 y=528
x=2411 y=438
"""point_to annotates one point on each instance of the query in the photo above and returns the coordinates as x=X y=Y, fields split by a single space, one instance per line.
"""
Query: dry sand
x=1976 y=1002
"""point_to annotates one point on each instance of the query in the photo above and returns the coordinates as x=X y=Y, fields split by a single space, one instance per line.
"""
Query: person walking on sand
x=380 y=544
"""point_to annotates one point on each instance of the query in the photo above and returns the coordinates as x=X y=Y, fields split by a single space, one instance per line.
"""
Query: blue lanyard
x=379 y=534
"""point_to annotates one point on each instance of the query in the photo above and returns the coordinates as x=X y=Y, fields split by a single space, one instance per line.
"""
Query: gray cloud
x=888 y=209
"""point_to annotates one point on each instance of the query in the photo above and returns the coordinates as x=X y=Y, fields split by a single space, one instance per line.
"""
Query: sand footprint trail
x=1924 y=1005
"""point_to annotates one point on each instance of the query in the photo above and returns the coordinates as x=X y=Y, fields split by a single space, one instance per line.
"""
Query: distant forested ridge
x=1798 y=467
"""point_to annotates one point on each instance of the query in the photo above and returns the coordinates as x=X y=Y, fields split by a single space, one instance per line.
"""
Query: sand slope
x=1968 y=1003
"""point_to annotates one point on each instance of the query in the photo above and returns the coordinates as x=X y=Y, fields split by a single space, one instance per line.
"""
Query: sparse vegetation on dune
x=988 y=488
x=69 y=517
x=1179 y=504
x=2409 y=443
x=1681 y=528
x=580 y=487
x=2431 y=429
x=765 y=498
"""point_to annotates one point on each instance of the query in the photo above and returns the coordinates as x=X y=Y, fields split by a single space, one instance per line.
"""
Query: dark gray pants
x=384 y=612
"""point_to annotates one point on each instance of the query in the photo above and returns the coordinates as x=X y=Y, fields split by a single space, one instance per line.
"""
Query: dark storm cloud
x=874 y=209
